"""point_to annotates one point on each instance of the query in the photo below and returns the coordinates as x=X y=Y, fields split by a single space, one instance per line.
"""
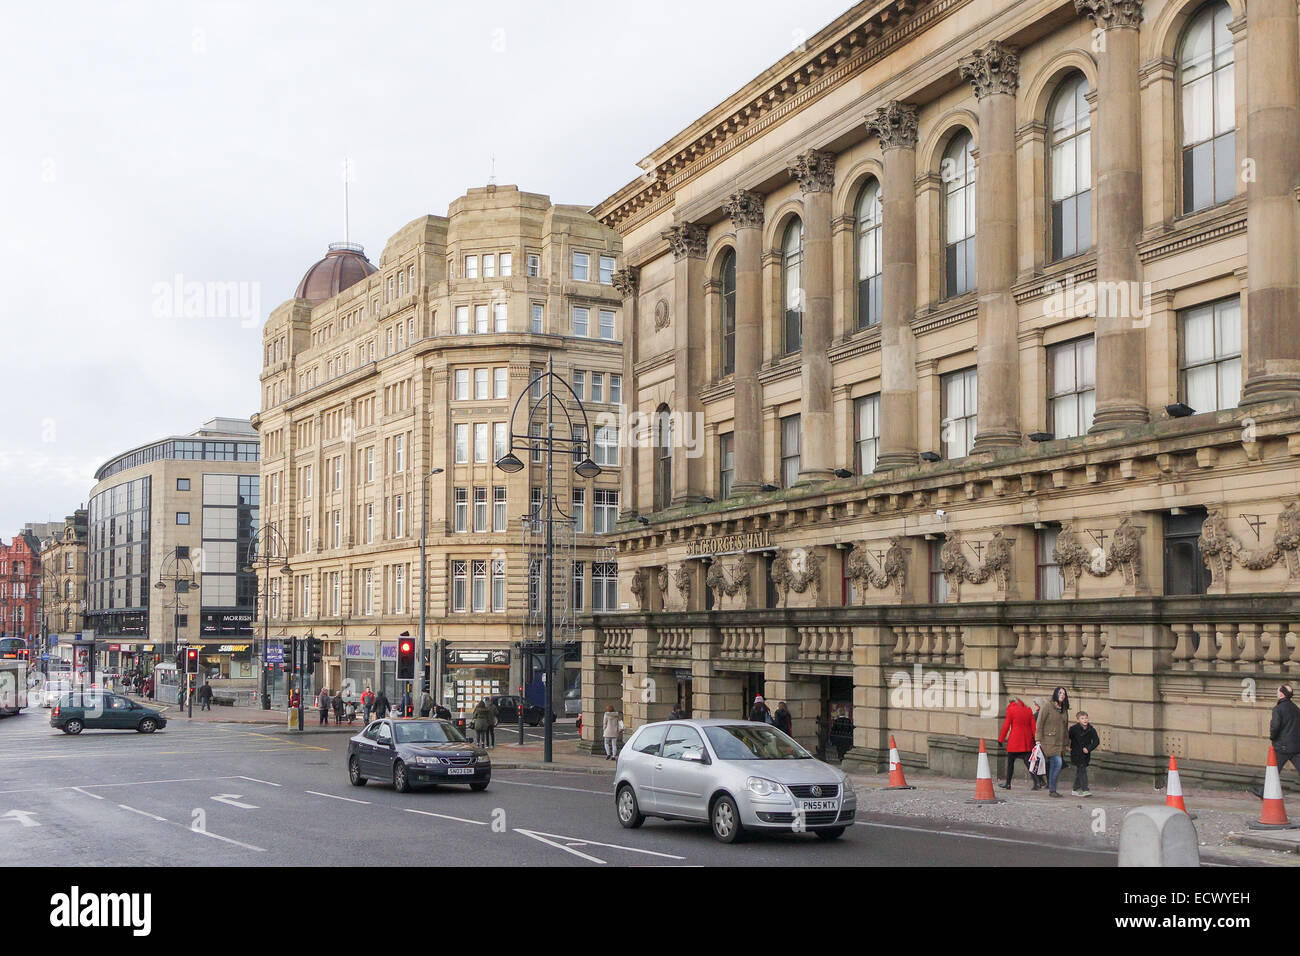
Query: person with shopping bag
x=1053 y=735
x=1017 y=735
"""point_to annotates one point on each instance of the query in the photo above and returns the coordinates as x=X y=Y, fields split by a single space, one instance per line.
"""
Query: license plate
x=814 y=805
x=460 y=770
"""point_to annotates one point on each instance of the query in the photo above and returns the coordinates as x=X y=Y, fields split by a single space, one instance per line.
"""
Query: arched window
x=870 y=264
x=958 y=173
x=663 y=458
x=1070 y=168
x=792 y=270
x=1205 y=85
x=728 y=363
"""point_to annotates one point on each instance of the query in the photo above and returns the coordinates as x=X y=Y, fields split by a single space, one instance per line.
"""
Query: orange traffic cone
x=1273 y=814
x=1174 y=789
x=896 y=779
x=984 y=780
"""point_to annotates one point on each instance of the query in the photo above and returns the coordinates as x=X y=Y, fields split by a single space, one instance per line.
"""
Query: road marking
x=975 y=836
x=255 y=780
x=560 y=846
x=573 y=842
x=87 y=793
x=143 y=814
x=551 y=786
x=218 y=836
x=446 y=816
x=24 y=817
x=317 y=793
x=232 y=799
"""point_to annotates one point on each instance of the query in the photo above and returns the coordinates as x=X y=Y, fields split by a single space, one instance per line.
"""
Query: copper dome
x=344 y=265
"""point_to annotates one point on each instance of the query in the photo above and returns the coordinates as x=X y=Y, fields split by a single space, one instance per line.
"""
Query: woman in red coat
x=1018 y=736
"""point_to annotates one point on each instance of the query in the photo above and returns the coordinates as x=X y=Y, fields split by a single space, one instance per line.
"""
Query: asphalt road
x=240 y=795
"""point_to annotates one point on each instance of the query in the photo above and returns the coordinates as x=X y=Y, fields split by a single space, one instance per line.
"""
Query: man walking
x=323 y=703
x=1284 y=732
x=367 y=703
x=205 y=697
x=494 y=718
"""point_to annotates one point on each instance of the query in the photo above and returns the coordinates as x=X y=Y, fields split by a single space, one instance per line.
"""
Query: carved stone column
x=1121 y=338
x=895 y=127
x=746 y=211
x=1273 y=143
x=689 y=242
x=815 y=171
x=994 y=71
x=626 y=282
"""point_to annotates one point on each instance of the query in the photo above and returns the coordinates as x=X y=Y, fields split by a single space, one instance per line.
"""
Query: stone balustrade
x=832 y=643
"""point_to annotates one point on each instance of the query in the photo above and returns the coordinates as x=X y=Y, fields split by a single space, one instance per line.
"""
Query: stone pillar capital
x=992 y=68
x=815 y=171
x=1111 y=13
x=687 y=240
x=625 y=281
x=745 y=209
x=894 y=125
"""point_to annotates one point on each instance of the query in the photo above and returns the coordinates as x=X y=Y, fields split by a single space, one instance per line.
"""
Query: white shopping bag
x=1037 y=762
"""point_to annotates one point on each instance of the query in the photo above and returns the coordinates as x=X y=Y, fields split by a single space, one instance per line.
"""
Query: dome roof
x=344 y=265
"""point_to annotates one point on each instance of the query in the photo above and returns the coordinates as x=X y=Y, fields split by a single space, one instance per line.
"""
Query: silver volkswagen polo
x=734 y=774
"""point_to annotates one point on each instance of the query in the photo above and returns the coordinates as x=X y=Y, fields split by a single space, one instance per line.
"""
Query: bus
x=13 y=686
x=13 y=649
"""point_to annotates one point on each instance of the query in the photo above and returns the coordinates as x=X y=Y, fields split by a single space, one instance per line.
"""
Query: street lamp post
x=181 y=579
x=271 y=541
x=510 y=463
x=424 y=578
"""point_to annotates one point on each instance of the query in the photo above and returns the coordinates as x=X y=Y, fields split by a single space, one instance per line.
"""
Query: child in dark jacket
x=1083 y=741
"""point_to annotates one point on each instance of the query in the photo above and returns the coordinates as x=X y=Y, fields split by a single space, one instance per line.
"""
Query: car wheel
x=726 y=820
x=479 y=787
x=148 y=725
x=354 y=773
x=72 y=727
x=629 y=811
x=533 y=723
x=833 y=833
x=400 y=782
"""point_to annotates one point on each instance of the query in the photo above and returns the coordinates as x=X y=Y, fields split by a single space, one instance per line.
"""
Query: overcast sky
x=149 y=141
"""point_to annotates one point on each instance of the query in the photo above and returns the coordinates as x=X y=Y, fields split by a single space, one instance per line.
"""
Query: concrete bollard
x=1158 y=836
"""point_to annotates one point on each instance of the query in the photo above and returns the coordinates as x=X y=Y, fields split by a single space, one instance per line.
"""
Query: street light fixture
x=424 y=577
x=271 y=541
x=510 y=463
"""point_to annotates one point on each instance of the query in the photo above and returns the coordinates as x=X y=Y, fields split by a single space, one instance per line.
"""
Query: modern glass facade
x=230 y=509
x=119 y=557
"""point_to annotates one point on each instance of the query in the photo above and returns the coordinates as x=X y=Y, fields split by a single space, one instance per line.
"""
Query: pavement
x=1222 y=818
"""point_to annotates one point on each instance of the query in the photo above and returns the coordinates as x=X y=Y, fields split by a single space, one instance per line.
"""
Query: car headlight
x=762 y=787
x=425 y=761
x=846 y=788
x=484 y=758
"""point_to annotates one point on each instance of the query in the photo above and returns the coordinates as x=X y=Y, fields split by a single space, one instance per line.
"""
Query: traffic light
x=291 y=654
x=191 y=660
x=405 y=658
x=180 y=660
x=313 y=653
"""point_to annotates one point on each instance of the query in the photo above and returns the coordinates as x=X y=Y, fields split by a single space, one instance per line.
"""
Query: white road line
x=255 y=780
x=551 y=786
x=975 y=836
x=142 y=813
x=218 y=836
x=613 y=846
x=317 y=793
x=560 y=846
x=446 y=816
x=87 y=793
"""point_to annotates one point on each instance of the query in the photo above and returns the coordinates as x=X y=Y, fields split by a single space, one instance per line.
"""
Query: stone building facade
x=984 y=317
x=63 y=578
x=378 y=375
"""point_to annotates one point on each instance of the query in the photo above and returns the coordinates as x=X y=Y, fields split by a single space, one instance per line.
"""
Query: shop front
x=472 y=674
x=370 y=664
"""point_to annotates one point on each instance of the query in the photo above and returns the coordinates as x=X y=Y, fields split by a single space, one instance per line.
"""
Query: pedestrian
x=180 y=696
x=1052 y=734
x=610 y=729
x=337 y=701
x=205 y=697
x=323 y=703
x=352 y=712
x=675 y=714
x=381 y=705
x=494 y=712
x=1017 y=735
x=759 y=713
x=441 y=712
x=482 y=721
x=1283 y=732
x=1084 y=741
x=406 y=702
x=781 y=719
x=367 y=704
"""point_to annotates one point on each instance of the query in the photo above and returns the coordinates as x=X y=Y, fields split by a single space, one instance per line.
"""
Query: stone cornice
x=1198 y=231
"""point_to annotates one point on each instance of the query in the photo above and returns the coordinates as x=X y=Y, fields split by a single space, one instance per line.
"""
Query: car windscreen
x=427 y=733
x=753 y=742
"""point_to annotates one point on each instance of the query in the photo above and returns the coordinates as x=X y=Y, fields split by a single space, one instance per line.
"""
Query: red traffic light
x=406 y=646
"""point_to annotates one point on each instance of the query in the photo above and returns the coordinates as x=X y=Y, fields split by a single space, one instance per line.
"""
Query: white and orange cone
x=1272 y=816
x=984 y=780
x=1174 y=789
x=896 y=779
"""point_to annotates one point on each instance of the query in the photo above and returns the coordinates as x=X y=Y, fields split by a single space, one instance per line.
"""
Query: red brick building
x=20 y=576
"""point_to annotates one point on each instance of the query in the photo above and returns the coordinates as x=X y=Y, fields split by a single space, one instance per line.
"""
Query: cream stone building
x=985 y=314
x=63 y=582
x=378 y=375
x=169 y=527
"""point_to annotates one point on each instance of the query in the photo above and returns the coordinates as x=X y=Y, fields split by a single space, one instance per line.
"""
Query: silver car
x=735 y=774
